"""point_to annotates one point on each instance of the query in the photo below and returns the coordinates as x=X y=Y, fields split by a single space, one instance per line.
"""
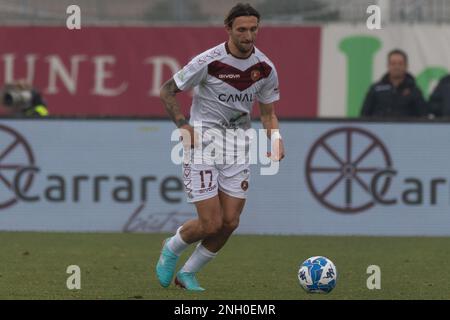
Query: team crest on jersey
x=244 y=185
x=255 y=75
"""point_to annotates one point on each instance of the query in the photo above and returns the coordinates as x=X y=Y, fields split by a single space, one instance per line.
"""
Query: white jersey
x=226 y=87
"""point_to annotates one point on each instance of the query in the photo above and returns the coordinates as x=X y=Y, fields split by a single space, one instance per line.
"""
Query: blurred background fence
x=147 y=12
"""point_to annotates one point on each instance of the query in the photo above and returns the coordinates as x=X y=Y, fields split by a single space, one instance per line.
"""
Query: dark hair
x=240 y=10
x=400 y=52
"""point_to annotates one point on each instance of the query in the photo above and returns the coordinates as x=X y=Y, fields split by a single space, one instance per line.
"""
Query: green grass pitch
x=121 y=266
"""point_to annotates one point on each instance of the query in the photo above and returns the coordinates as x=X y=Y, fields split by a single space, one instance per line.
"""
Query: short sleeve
x=269 y=92
x=191 y=75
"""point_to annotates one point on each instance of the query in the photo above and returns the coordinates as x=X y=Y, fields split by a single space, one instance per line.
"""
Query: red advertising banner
x=119 y=70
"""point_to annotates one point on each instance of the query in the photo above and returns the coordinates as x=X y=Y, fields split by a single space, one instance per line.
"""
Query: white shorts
x=203 y=181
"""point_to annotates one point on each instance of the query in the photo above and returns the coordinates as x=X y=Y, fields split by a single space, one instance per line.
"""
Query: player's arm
x=269 y=121
x=167 y=95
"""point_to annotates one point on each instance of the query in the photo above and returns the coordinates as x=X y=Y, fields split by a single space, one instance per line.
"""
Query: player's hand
x=188 y=136
x=277 y=153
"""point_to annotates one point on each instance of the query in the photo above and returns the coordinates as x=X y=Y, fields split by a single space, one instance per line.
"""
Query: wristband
x=276 y=135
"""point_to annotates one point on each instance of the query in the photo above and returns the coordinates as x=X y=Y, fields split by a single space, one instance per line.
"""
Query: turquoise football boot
x=188 y=281
x=165 y=268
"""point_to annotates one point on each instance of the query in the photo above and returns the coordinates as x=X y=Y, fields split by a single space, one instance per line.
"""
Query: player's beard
x=245 y=48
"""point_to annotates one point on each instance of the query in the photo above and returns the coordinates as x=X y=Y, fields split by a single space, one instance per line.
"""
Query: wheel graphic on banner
x=15 y=154
x=348 y=174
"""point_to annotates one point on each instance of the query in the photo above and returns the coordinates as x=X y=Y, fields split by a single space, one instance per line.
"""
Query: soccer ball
x=317 y=275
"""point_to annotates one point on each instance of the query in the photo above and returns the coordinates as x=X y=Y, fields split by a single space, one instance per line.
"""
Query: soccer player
x=226 y=81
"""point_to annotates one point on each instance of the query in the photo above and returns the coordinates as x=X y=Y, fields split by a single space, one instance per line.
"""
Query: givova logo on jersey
x=229 y=76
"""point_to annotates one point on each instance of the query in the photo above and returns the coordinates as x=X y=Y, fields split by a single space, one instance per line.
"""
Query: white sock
x=198 y=259
x=176 y=244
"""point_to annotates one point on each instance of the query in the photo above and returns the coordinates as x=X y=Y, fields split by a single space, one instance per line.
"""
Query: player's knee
x=230 y=225
x=212 y=227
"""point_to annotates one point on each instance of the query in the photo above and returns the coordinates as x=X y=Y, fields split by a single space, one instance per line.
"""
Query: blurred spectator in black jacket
x=440 y=98
x=396 y=95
